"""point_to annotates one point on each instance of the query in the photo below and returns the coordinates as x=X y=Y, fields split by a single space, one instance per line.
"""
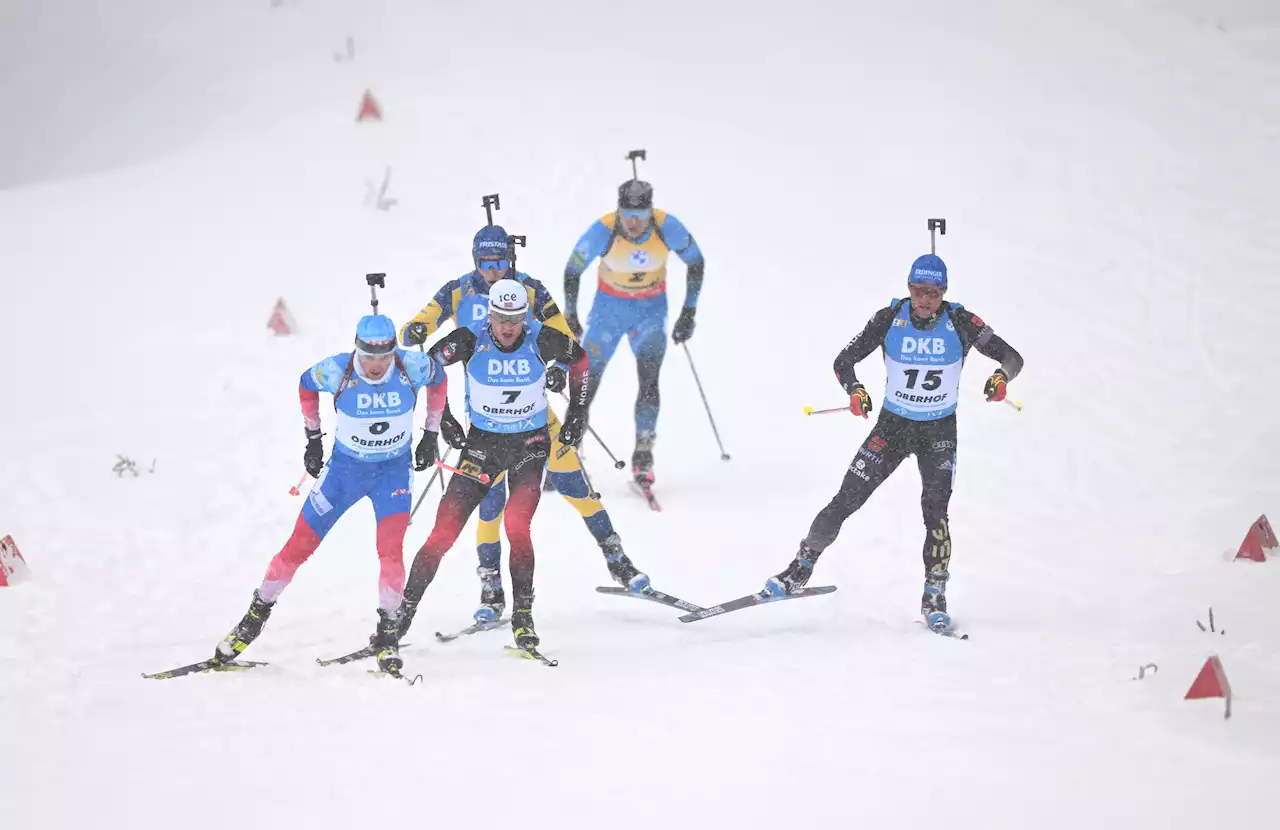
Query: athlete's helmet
x=375 y=335
x=928 y=270
x=490 y=241
x=509 y=298
x=635 y=194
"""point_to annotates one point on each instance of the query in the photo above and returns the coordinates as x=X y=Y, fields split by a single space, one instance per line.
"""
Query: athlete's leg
x=461 y=497
x=493 y=600
x=341 y=484
x=392 y=497
x=564 y=471
x=525 y=481
x=606 y=326
x=489 y=531
x=648 y=337
x=875 y=460
x=936 y=457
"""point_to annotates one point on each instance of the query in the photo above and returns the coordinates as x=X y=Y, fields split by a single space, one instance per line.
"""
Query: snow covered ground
x=1107 y=169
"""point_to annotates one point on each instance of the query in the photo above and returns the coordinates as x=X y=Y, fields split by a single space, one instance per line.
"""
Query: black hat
x=635 y=194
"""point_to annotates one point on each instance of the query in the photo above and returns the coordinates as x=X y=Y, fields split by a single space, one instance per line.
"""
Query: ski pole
x=809 y=410
x=1015 y=404
x=294 y=490
x=724 y=456
x=427 y=489
x=618 y=463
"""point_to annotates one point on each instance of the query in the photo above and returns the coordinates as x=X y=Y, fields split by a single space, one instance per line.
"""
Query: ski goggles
x=635 y=213
x=493 y=264
x=508 y=317
x=375 y=348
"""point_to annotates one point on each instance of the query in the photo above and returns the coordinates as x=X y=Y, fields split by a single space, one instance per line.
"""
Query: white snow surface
x=1108 y=172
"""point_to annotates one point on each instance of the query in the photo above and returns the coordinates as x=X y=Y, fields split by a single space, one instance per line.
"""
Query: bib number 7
x=932 y=379
x=510 y=395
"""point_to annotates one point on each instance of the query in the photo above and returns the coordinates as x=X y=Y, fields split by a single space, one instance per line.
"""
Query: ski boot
x=795 y=577
x=386 y=640
x=234 y=644
x=642 y=459
x=492 y=599
x=933 y=602
x=522 y=628
x=620 y=567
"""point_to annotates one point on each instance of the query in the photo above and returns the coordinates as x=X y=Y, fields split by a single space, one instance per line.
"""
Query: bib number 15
x=932 y=379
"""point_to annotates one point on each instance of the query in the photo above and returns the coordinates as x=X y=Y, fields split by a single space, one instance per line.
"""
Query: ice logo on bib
x=639 y=258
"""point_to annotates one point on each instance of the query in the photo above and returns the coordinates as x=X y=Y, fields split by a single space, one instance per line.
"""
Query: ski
x=204 y=666
x=358 y=654
x=948 y=631
x=751 y=600
x=474 y=628
x=653 y=596
x=646 y=492
x=532 y=653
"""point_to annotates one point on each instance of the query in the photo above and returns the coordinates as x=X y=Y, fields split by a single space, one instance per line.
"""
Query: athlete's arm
x=860 y=347
x=982 y=337
x=556 y=345
x=426 y=372
x=459 y=345
x=324 y=376
x=594 y=243
x=682 y=244
x=435 y=314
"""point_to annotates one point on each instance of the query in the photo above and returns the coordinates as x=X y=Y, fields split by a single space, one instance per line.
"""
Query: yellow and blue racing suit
x=631 y=298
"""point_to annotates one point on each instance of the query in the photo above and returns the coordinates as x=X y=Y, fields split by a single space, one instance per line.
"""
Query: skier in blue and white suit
x=925 y=341
x=374 y=388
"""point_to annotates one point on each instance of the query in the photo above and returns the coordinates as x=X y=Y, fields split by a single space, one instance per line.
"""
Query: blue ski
x=652 y=596
x=752 y=600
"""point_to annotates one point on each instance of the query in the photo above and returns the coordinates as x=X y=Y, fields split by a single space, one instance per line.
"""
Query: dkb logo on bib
x=509 y=367
x=380 y=400
x=924 y=345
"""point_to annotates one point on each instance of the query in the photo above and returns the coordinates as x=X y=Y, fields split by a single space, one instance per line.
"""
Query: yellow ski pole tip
x=808 y=410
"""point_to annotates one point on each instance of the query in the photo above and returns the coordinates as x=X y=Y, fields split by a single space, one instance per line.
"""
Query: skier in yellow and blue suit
x=466 y=301
x=633 y=244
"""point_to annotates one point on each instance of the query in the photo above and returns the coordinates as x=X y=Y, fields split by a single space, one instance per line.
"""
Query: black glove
x=425 y=455
x=415 y=334
x=683 y=328
x=573 y=428
x=313 y=457
x=556 y=378
x=571 y=318
x=452 y=431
